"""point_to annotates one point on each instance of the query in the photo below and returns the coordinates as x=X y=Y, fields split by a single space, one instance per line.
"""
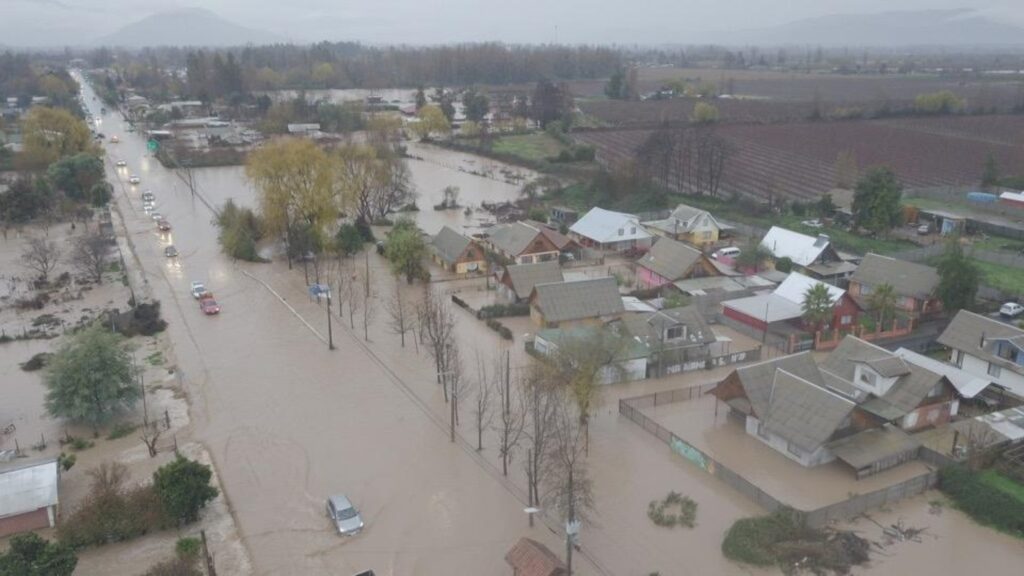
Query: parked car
x=208 y=305
x=1011 y=310
x=163 y=226
x=813 y=223
x=198 y=289
x=170 y=251
x=121 y=163
x=924 y=229
x=728 y=251
x=344 y=515
x=134 y=179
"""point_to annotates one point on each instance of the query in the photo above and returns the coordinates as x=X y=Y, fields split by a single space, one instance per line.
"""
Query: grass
x=155 y=359
x=998 y=244
x=121 y=429
x=1003 y=484
x=1009 y=280
x=536 y=147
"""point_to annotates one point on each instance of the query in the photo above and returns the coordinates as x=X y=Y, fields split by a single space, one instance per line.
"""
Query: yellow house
x=688 y=224
x=456 y=253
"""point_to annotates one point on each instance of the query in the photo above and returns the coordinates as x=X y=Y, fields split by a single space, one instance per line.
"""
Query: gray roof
x=26 y=486
x=966 y=331
x=906 y=278
x=512 y=238
x=682 y=220
x=889 y=366
x=802 y=412
x=649 y=327
x=671 y=259
x=757 y=378
x=525 y=276
x=591 y=298
x=869 y=446
x=449 y=244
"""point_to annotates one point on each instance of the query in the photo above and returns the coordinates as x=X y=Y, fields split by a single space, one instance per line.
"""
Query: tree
x=49 y=134
x=30 y=555
x=704 y=113
x=437 y=328
x=941 y=102
x=568 y=486
x=401 y=312
x=40 y=256
x=25 y=200
x=351 y=296
x=784 y=264
x=406 y=250
x=990 y=174
x=456 y=383
x=818 y=305
x=551 y=102
x=77 y=175
x=483 y=411
x=876 y=200
x=90 y=378
x=615 y=88
x=511 y=418
x=184 y=488
x=239 y=230
x=825 y=207
x=421 y=98
x=753 y=256
x=90 y=256
x=883 y=301
x=348 y=240
x=368 y=304
x=958 y=277
x=540 y=405
x=475 y=104
x=431 y=121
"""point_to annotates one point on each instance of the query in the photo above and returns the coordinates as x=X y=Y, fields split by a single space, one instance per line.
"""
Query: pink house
x=669 y=261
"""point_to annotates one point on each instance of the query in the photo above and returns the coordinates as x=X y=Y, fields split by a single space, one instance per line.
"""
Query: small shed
x=531 y=558
x=29 y=493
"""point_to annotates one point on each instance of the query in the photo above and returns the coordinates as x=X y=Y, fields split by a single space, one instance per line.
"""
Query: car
x=728 y=251
x=344 y=515
x=163 y=226
x=114 y=139
x=121 y=163
x=134 y=179
x=148 y=196
x=198 y=289
x=1011 y=310
x=208 y=305
x=813 y=223
x=170 y=251
x=924 y=229
x=156 y=216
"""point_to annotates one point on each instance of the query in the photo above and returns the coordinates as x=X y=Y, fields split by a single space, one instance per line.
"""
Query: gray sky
x=60 y=22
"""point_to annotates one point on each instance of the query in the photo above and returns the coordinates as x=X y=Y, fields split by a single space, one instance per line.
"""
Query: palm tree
x=883 y=300
x=818 y=305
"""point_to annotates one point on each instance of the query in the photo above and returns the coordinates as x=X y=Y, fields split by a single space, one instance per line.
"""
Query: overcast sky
x=61 y=22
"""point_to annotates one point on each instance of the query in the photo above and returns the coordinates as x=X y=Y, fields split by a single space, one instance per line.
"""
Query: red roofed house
x=531 y=558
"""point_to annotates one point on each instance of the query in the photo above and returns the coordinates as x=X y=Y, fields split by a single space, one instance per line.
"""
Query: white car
x=121 y=163
x=1011 y=310
x=813 y=223
x=156 y=216
x=198 y=289
x=134 y=179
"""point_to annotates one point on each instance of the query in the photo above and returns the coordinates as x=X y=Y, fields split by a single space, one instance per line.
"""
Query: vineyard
x=798 y=160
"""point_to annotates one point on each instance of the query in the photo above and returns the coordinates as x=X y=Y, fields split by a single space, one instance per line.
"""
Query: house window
x=935 y=391
x=622 y=231
x=674 y=332
x=846 y=319
x=959 y=359
x=632 y=230
x=794 y=450
x=994 y=370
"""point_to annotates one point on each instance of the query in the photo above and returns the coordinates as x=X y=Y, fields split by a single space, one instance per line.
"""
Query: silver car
x=344 y=515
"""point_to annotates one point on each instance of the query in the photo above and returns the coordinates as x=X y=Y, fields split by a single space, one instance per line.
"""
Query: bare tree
x=456 y=383
x=90 y=256
x=511 y=415
x=393 y=188
x=437 y=328
x=352 y=299
x=401 y=313
x=483 y=411
x=567 y=484
x=150 y=436
x=541 y=403
x=369 y=305
x=40 y=256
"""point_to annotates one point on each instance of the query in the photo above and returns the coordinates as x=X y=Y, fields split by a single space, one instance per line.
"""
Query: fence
x=853 y=506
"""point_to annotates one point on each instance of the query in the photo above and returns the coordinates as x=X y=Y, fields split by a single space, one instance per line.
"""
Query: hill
x=185 y=27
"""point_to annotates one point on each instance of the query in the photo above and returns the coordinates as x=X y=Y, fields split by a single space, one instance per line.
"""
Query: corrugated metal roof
x=671 y=259
x=525 y=276
x=802 y=412
x=796 y=285
x=906 y=278
x=800 y=248
x=449 y=244
x=562 y=301
x=604 y=226
x=28 y=486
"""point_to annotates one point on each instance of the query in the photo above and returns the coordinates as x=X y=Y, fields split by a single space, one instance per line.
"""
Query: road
x=289 y=422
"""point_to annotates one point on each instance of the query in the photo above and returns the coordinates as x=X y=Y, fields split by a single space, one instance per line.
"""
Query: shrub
x=981 y=501
x=144 y=320
x=503 y=310
x=460 y=302
x=111 y=512
x=31 y=555
x=674 y=510
x=183 y=487
x=187 y=547
x=121 y=429
x=784 y=264
x=500 y=329
x=36 y=362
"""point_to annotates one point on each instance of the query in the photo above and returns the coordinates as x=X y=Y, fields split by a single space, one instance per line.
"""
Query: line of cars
x=207 y=304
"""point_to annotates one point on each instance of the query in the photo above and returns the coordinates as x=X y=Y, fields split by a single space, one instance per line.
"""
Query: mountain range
x=186 y=27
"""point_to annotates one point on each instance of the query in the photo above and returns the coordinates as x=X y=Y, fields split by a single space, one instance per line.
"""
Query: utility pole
x=330 y=331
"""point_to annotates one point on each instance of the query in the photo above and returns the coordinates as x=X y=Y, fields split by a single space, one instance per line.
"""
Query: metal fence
x=852 y=506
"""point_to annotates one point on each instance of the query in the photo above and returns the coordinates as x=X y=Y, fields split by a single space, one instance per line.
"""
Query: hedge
x=499 y=328
x=503 y=310
x=983 y=502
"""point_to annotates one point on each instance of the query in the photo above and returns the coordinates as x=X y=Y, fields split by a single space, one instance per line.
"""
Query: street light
x=318 y=290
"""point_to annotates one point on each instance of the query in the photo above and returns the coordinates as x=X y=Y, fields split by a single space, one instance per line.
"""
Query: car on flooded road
x=156 y=216
x=208 y=305
x=134 y=179
x=170 y=251
x=344 y=515
x=148 y=196
x=198 y=289
x=121 y=163
x=163 y=226
x=114 y=139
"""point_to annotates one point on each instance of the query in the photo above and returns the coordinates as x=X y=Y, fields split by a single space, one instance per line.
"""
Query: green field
x=536 y=147
x=1003 y=484
x=1009 y=280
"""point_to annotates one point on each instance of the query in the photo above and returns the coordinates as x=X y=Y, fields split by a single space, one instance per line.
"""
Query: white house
x=610 y=231
x=28 y=495
x=986 y=348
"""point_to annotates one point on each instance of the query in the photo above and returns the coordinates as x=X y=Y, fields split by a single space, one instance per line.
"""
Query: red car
x=209 y=306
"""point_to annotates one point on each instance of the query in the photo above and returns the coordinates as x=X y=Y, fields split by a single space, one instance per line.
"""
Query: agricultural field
x=536 y=147
x=654 y=112
x=798 y=160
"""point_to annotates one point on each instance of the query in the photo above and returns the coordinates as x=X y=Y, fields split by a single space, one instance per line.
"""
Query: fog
x=78 y=22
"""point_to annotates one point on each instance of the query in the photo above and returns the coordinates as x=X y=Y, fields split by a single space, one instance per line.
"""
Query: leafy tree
x=184 y=488
x=825 y=207
x=50 y=134
x=753 y=256
x=958 y=277
x=432 y=120
x=704 y=113
x=239 y=230
x=551 y=102
x=990 y=174
x=941 y=102
x=615 y=87
x=883 y=301
x=818 y=305
x=784 y=264
x=405 y=250
x=30 y=555
x=100 y=194
x=476 y=105
x=421 y=98
x=76 y=175
x=90 y=378
x=348 y=239
x=26 y=199
x=876 y=200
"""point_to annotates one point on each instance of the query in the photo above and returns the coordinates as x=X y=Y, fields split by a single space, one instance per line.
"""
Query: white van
x=729 y=251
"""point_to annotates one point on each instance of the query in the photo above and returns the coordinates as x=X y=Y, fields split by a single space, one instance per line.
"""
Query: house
x=814 y=256
x=521 y=243
x=29 y=495
x=457 y=253
x=581 y=301
x=531 y=558
x=567 y=247
x=670 y=261
x=858 y=405
x=986 y=348
x=628 y=365
x=785 y=305
x=914 y=284
x=609 y=231
x=562 y=216
x=307 y=129
x=677 y=339
x=517 y=282
x=688 y=224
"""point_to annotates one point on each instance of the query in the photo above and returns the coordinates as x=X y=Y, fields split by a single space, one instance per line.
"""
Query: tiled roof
x=531 y=558
x=757 y=378
x=802 y=412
